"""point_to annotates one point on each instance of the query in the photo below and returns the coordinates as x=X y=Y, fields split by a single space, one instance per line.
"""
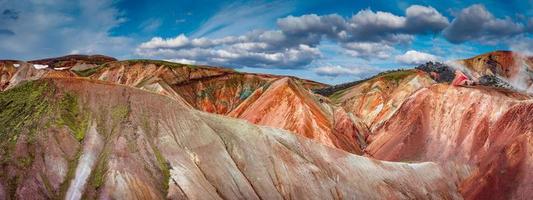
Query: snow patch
x=61 y=68
x=16 y=65
x=37 y=66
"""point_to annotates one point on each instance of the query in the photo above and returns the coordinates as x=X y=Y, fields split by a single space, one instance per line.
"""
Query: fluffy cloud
x=267 y=49
x=184 y=61
x=334 y=71
x=367 y=25
x=413 y=57
x=260 y=50
x=367 y=35
x=476 y=23
x=367 y=50
x=329 y=25
x=179 y=42
x=424 y=19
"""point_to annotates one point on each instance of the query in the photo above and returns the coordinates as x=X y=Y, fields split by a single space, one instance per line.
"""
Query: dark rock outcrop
x=439 y=72
x=494 y=81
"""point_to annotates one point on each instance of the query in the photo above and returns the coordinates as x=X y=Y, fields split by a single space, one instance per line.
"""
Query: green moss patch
x=338 y=94
x=21 y=111
x=21 y=107
x=158 y=62
x=119 y=113
x=72 y=165
x=164 y=166
x=88 y=72
x=98 y=175
x=72 y=117
x=396 y=76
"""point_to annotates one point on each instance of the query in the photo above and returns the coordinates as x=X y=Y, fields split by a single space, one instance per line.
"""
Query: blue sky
x=327 y=41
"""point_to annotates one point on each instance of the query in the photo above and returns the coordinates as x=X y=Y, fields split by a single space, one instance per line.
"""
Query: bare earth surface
x=140 y=145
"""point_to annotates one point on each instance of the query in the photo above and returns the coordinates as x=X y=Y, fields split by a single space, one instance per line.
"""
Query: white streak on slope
x=93 y=145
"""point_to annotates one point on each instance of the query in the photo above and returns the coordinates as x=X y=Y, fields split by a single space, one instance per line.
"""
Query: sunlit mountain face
x=266 y=100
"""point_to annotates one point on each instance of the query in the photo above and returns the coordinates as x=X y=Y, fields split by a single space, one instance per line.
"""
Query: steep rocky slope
x=75 y=138
x=487 y=128
x=288 y=105
x=211 y=89
x=13 y=72
x=378 y=98
x=215 y=90
x=514 y=68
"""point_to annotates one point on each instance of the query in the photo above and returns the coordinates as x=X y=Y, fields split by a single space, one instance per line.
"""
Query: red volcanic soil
x=501 y=63
x=460 y=79
x=224 y=93
x=489 y=129
x=288 y=105
x=377 y=99
x=506 y=168
x=515 y=68
x=210 y=89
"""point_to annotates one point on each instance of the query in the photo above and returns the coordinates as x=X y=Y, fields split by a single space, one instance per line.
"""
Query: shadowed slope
x=127 y=143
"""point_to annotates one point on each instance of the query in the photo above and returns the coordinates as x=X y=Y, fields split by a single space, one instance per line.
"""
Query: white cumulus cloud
x=367 y=34
x=413 y=57
x=368 y=50
x=337 y=70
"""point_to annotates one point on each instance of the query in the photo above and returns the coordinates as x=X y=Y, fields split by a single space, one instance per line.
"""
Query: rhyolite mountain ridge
x=93 y=127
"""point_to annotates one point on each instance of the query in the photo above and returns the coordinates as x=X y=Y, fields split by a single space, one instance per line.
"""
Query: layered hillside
x=80 y=139
x=211 y=89
x=14 y=72
x=487 y=128
x=74 y=62
x=377 y=99
x=287 y=104
x=514 y=68
x=215 y=90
